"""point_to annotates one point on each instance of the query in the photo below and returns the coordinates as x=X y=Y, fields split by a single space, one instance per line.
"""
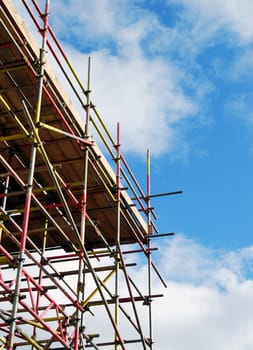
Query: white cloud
x=242 y=69
x=153 y=97
x=207 y=304
x=205 y=318
x=144 y=95
x=229 y=15
x=240 y=107
x=186 y=260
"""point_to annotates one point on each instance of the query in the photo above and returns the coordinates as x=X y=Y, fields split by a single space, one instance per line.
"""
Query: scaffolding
x=69 y=223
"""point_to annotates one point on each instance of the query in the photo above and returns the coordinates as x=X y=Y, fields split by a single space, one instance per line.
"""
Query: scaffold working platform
x=71 y=212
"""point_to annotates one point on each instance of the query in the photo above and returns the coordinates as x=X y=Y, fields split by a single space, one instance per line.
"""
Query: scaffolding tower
x=70 y=223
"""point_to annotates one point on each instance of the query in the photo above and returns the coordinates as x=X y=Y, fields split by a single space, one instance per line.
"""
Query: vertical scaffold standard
x=69 y=223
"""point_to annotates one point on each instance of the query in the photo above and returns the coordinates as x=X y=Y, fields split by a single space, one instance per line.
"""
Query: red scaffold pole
x=149 y=252
x=21 y=258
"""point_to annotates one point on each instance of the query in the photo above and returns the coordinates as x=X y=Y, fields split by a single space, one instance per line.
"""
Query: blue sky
x=177 y=74
x=178 y=77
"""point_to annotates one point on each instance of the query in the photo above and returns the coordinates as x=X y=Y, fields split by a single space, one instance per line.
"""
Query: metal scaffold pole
x=117 y=242
x=4 y=200
x=40 y=277
x=29 y=187
x=150 y=229
x=83 y=209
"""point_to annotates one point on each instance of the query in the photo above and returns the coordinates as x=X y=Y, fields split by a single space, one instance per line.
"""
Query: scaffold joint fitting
x=147 y=300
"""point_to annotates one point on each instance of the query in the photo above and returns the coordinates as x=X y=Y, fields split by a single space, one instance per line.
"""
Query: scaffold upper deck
x=62 y=133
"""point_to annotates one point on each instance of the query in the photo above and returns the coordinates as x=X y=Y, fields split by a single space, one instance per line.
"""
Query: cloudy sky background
x=177 y=74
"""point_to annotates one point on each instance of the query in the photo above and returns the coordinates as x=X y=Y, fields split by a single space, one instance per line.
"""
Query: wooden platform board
x=19 y=55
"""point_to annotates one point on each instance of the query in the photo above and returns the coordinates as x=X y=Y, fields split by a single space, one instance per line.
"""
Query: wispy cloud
x=146 y=71
x=240 y=107
x=230 y=16
x=144 y=95
x=145 y=92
